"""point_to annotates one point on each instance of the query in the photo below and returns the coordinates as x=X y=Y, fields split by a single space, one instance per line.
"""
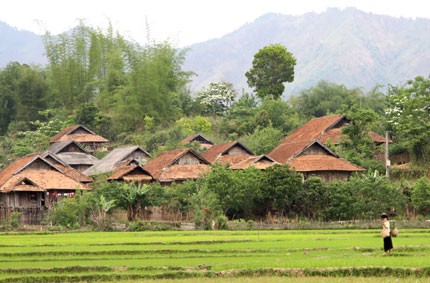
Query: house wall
x=237 y=150
x=329 y=175
x=81 y=167
x=39 y=164
x=80 y=131
x=315 y=149
x=22 y=200
x=188 y=159
x=139 y=156
x=71 y=148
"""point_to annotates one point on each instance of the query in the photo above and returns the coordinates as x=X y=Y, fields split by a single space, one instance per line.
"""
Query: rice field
x=205 y=255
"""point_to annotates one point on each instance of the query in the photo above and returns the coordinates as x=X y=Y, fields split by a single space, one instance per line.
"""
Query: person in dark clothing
x=388 y=242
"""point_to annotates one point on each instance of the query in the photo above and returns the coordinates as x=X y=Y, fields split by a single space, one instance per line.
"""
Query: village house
x=119 y=157
x=80 y=134
x=303 y=150
x=74 y=155
x=175 y=166
x=237 y=156
x=131 y=173
x=228 y=153
x=201 y=140
x=32 y=183
x=261 y=162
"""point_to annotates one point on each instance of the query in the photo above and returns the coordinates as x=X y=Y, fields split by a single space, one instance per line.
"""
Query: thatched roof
x=79 y=134
x=114 y=159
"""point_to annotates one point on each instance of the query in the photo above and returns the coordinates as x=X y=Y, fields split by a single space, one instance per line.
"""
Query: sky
x=181 y=22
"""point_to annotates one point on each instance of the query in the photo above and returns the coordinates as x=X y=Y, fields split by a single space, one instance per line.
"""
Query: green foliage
x=421 y=195
x=408 y=117
x=197 y=124
x=216 y=98
x=72 y=212
x=263 y=140
x=312 y=199
x=363 y=197
x=272 y=66
x=279 y=188
x=325 y=98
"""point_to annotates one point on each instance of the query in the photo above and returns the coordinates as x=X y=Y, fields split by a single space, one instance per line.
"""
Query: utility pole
x=387 y=157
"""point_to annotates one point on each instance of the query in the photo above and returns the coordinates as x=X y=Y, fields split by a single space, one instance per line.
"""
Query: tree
x=279 y=188
x=324 y=98
x=272 y=66
x=263 y=140
x=217 y=97
x=421 y=195
x=408 y=116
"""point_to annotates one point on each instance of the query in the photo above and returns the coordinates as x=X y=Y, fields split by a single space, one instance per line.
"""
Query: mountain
x=347 y=46
x=21 y=46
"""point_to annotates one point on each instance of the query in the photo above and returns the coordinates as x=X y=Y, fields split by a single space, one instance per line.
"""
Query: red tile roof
x=314 y=128
x=321 y=162
x=68 y=134
x=131 y=172
x=197 y=137
x=377 y=138
x=335 y=136
x=216 y=151
x=165 y=162
x=47 y=177
x=259 y=162
x=285 y=151
x=183 y=172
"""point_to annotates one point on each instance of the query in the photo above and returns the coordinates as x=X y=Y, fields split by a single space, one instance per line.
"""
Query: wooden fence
x=28 y=216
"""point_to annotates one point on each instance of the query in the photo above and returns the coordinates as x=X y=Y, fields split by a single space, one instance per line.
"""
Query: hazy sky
x=182 y=22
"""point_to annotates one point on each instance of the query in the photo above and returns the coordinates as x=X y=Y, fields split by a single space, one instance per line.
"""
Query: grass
x=122 y=256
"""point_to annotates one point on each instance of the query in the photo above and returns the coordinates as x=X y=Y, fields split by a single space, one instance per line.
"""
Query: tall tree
x=325 y=98
x=273 y=65
x=408 y=116
x=217 y=97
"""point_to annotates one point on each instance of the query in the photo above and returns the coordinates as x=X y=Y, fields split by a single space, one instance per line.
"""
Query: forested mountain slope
x=347 y=46
x=21 y=46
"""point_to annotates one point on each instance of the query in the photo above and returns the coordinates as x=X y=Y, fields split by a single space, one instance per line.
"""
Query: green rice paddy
x=138 y=256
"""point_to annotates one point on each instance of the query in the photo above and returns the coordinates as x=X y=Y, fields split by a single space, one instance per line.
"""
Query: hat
x=384 y=215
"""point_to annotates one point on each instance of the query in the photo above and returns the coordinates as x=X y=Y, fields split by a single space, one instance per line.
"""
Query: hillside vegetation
x=347 y=46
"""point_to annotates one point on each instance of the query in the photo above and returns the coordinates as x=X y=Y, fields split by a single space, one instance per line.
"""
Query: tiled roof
x=161 y=163
x=321 y=162
x=47 y=178
x=259 y=162
x=192 y=138
x=75 y=174
x=77 y=158
x=217 y=150
x=313 y=129
x=68 y=134
x=183 y=172
x=377 y=138
x=57 y=147
x=335 y=136
x=285 y=151
x=134 y=172
x=113 y=159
